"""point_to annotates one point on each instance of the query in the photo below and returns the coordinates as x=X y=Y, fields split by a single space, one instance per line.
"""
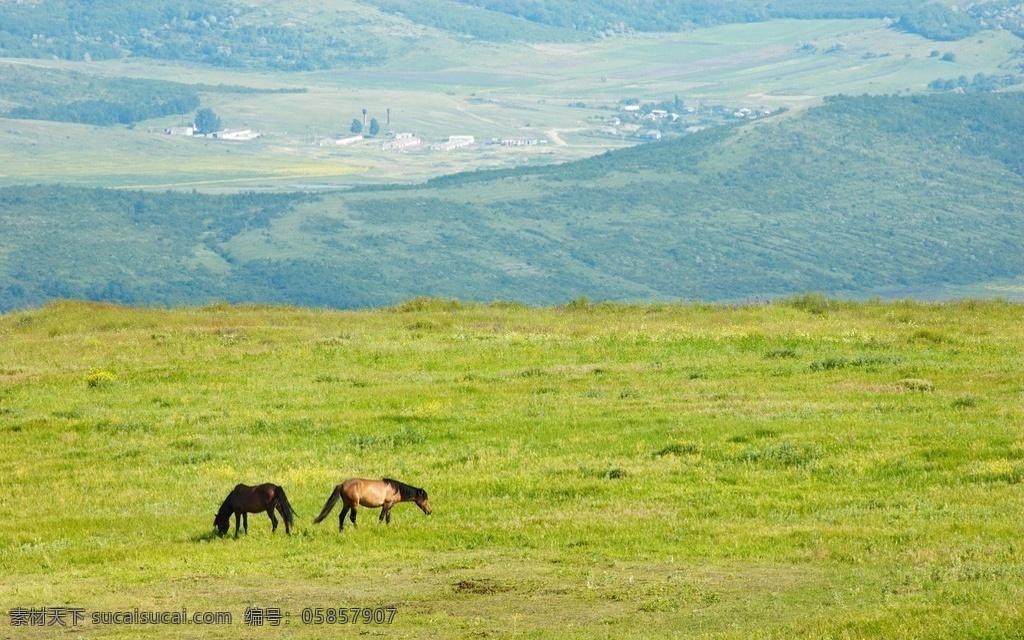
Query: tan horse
x=244 y=500
x=386 y=493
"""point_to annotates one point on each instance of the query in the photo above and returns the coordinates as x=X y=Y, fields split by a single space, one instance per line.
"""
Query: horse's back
x=253 y=499
x=267 y=489
x=365 y=492
x=356 y=486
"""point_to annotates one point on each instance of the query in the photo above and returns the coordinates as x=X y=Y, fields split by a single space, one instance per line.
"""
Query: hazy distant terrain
x=568 y=95
x=860 y=197
x=270 y=36
x=714 y=160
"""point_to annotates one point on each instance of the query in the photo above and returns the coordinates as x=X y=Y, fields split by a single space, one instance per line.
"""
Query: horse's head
x=422 y=502
x=221 y=524
x=223 y=518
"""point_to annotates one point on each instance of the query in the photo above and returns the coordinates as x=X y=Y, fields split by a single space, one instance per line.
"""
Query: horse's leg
x=237 y=520
x=245 y=521
x=273 y=520
x=341 y=518
x=385 y=514
x=352 y=517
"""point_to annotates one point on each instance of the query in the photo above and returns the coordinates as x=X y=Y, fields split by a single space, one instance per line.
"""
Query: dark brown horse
x=386 y=493
x=244 y=500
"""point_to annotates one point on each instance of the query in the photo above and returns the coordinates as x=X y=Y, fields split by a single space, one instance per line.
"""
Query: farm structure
x=453 y=142
x=401 y=141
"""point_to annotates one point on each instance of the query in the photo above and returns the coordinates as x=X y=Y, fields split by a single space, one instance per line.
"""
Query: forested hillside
x=239 y=35
x=145 y=248
x=666 y=15
x=216 y=32
x=937 y=21
x=863 y=196
x=43 y=94
x=69 y=96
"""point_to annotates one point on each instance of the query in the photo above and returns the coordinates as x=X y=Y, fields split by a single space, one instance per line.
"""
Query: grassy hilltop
x=809 y=468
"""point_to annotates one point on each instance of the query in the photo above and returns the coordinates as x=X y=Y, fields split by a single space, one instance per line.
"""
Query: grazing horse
x=244 y=500
x=357 y=492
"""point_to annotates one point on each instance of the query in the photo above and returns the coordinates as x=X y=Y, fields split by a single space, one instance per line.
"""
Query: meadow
x=805 y=468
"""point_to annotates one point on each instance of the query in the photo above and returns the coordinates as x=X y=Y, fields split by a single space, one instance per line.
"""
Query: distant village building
x=518 y=142
x=454 y=142
x=339 y=141
x=181 y=130
x=236 y=134
x=401 y=141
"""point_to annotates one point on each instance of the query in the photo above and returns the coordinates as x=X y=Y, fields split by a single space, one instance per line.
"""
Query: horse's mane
x=407 y=492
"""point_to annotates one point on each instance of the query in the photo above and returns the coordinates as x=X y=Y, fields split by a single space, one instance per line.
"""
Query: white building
x=182 y=130
x=339 y=141
x=236 y=134
x=454 y=142
x=518 y=142
x=401 y=141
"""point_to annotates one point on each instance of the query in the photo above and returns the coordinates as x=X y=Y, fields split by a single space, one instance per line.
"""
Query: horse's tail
x=335 y=496
x=286 y=507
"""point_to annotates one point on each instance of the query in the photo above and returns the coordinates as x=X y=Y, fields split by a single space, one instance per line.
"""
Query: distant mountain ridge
x=862 y=196
x=232 y=34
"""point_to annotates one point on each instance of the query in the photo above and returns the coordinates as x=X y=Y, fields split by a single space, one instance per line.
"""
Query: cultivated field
x=805 y=468
x=443 y=86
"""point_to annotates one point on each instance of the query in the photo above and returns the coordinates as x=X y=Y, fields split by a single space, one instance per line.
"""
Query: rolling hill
x=864 y=196
x=360 y=33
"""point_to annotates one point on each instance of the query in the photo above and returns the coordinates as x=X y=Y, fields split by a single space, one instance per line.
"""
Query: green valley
x=867 y=196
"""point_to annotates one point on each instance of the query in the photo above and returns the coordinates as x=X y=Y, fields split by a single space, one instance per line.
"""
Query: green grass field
x=809 y=468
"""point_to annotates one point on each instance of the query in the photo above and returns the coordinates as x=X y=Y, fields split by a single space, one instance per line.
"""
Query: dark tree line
x=477 y=20
x=673 y=15
x=979 y=83
x=68 y=96
x=40 y=94
x=939 y=22
x=106 y=112
x=641 y=15
x=216 y=32
x=942 y=22
x=936 y=21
